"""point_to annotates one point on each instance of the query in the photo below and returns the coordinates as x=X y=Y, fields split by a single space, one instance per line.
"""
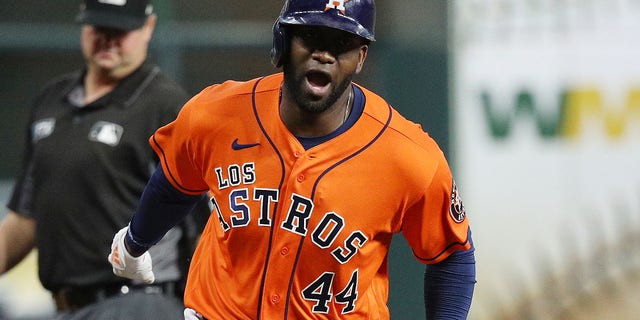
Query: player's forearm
x=161 y=207
x=449 y=285
x=17 y=239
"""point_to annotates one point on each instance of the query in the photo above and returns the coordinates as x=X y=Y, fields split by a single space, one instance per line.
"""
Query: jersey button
x=300 y=178
x=297 y=154
x=284 y=251
x=275 y=298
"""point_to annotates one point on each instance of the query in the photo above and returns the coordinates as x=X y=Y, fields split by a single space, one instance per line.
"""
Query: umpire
x=86 y=164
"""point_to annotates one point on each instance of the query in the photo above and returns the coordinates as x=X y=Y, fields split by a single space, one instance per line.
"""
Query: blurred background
x=535 y=102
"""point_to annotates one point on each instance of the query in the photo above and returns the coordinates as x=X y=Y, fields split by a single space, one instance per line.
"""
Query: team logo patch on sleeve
x=456 y=208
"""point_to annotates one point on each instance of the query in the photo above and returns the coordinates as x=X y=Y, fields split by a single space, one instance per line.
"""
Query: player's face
x=321 y=64
x=114 y=52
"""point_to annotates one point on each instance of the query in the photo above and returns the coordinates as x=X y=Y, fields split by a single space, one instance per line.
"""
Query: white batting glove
x=127 y=266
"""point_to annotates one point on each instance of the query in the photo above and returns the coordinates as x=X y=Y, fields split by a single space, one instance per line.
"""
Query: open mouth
x=318 y=83
x=318 y=79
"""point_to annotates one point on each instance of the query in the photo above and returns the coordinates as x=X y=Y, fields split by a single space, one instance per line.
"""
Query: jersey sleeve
x=436 y=225
x=176 y=146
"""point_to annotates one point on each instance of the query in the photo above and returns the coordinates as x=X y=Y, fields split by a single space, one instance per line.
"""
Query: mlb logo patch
x=106 y=132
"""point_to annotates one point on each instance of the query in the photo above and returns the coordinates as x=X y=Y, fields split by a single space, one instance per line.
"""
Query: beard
x=293 y=82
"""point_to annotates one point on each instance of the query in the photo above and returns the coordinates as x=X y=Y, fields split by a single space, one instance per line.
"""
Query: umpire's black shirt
x=85 y=169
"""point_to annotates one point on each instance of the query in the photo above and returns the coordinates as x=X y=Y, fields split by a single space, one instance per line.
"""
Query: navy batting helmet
x=354 y=16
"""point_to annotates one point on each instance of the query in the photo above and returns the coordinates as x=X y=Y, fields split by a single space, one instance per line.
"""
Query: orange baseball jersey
x=304 y=234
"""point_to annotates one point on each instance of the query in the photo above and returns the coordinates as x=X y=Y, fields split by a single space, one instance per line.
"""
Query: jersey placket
x=289 y=230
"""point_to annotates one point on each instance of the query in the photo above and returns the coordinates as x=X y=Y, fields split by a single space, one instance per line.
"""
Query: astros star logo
x=336 y=4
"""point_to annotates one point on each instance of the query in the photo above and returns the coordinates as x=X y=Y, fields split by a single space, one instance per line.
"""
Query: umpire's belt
x=73 y=298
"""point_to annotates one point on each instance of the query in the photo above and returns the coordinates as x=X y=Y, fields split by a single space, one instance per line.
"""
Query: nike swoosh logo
x=239 y=146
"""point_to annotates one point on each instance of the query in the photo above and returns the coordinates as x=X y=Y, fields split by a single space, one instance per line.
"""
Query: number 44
x=320 y=291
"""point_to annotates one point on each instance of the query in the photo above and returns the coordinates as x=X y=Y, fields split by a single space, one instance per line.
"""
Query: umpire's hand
x=127 y=266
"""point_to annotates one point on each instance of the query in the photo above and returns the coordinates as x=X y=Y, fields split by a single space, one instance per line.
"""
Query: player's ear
x=362 y=55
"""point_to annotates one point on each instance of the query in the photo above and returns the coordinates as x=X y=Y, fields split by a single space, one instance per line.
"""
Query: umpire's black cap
x=117 y=14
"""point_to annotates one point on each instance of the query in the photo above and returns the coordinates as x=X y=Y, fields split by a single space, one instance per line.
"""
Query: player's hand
x=127 y=266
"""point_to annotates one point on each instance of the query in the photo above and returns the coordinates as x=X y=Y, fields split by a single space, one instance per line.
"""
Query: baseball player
x=310 y=175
